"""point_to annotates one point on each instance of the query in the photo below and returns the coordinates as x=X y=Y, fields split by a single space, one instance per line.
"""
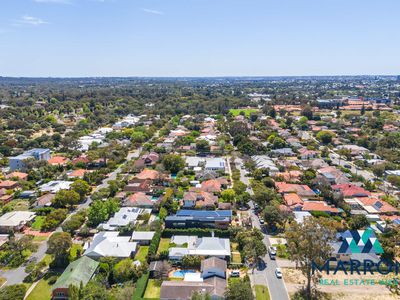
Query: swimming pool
x=181 y=273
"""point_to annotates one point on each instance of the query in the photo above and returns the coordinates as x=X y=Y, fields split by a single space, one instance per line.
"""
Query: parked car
x=262 y=221
x=272 y=252
x=235 y=273
x=278 y=273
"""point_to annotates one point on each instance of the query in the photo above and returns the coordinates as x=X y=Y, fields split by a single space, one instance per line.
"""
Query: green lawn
x=141 y=255
x=37 y=225
x=262 y=292
x=74 y=249
x=153 y=289
x=42 y=291
x=17 y=204
x=164 y=245
x=247 y=111
x=39 y=239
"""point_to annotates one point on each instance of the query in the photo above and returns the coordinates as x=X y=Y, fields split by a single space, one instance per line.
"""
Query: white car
x=278 y=273
x=235 y=273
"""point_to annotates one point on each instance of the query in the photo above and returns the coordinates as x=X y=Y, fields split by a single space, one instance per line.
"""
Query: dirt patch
x=336 y=286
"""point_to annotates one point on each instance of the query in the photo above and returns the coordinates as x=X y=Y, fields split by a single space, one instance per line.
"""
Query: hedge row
x=154 y=246
x=141 y=285
x=169 y=232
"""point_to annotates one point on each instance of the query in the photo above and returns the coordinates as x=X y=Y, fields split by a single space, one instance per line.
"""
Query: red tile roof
x=301 y=189
x=19 y=175
x=139 y=199
x=378 y=204
x=292 y=199
x=148 y=174
x=351 y=190
x=319 y=206
x=58 y=160
x=8 y=184
x=78 y=173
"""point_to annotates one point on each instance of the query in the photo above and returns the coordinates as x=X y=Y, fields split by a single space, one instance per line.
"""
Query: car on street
x=278 y=273
x=262 y=221
x=235 y=273
x=272 y=252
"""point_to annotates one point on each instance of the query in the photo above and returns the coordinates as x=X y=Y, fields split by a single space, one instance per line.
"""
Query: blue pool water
x=181 y=273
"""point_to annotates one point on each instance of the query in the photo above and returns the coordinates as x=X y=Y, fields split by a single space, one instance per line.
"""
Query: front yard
x=37 y=225
x=42 y=290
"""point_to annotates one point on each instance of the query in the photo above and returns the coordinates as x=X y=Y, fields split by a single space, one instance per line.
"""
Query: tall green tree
x=81 y=187
x=307 y=242
x=58 y=245
x=173 y=163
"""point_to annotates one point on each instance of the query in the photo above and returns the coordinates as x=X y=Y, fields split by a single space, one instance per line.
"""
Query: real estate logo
x=360 y=241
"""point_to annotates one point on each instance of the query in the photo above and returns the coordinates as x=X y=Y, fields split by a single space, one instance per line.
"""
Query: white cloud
x=29 y=20
x=152 y=11
x=53 y=1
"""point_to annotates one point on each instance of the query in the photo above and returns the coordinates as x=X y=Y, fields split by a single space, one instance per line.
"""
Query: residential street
x=337 y=160
x=276 y=287
x=15 y=276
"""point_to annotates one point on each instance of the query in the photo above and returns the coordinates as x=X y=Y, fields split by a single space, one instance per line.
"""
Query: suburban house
x=138 y=185
x=124 y=217
x=215 y=164
x=320 y=206
x=58 y=161
x=199 y=199
x=214 y=185
x=110 y=244
x=302 y=190
x=142 y=237
x=220 y=219
x=79 y=173
x=139 y=199
x=15 y=220
x=370 y=205
x=146 y=160
x=18 y=162
x=8 y=184
x=17 y=175
x=265 y=162
x=4 y=196
x=333 y=175
x=201 y=246
x=351 y=190
x=148 y=174
x=55 y=186
x=211 y=280
x=44 y=200
x=78 y=272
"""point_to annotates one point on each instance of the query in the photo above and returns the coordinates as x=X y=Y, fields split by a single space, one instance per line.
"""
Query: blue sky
x=199 y=37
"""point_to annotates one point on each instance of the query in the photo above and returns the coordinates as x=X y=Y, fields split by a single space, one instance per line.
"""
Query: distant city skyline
x=196 y=38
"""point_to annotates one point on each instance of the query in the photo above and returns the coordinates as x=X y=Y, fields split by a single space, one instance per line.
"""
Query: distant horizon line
x=200 y=76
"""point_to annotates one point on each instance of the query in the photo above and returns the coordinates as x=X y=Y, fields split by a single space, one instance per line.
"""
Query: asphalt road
x=266 y=275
